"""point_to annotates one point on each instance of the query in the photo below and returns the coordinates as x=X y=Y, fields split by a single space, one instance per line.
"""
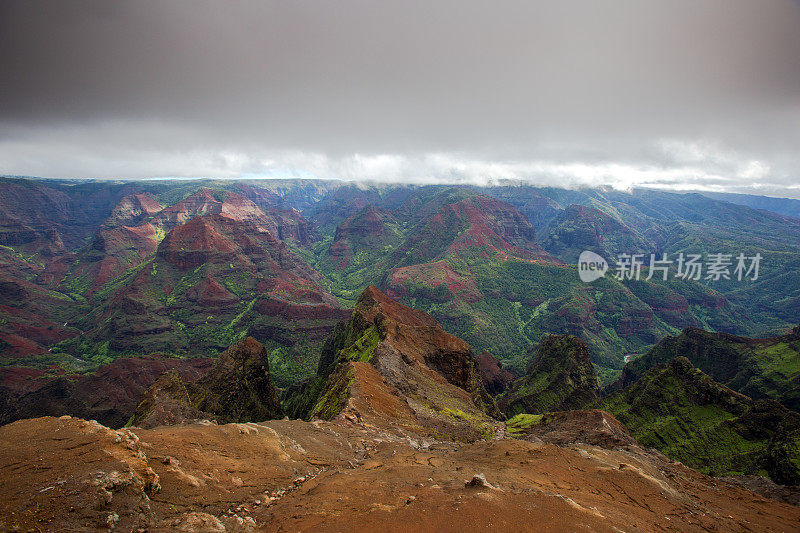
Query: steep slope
x=74 y=245
x=759 y=368
x=113 y=252
x=371 y=230
x=32 y=318
x=133 y=210
x=682 y=412
x=283 y=224
x=474 y=264
x=358 y=252
x=289 y=223
x=136 y=226
x=537 y=207
x=475 y=225
x=393 y=366
x=238 y=388
x=494 y=377
x=73 y=210
x=694 y=223
x=560 y=377
x=346 y=200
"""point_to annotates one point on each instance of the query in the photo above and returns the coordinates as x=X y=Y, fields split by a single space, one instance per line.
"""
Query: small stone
x=478 y=480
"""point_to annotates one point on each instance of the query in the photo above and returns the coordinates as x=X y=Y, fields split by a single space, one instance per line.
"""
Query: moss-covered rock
x=335 y=395
x=759 y=368
x=685 y=414
x=588 y=426
x=166 y=402
x=408 y=372
x=560 y=377
x=519 y=424
x=238 y=388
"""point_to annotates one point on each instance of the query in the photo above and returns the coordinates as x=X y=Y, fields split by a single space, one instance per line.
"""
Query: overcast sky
x=681 y=94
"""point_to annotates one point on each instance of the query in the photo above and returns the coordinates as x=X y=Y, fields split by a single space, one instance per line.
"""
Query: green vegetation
x=682 y=412
x=363 y=348
x=110 y=287
x=54 y=361
x=560 y=377
x=521 y=423
x=335 y=395
x=766 y=368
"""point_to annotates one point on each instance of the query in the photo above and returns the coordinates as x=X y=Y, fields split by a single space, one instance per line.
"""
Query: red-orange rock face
x=495 y=378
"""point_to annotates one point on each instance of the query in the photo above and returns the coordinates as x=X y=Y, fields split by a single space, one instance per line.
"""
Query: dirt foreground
x=67 y=474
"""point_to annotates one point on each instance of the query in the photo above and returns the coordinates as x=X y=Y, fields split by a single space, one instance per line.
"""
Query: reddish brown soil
x=67 y=474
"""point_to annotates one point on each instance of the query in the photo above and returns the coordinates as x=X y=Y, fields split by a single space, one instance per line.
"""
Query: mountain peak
x=238 y=388
x=392 y=365
x=373 y=303
x=560 y=377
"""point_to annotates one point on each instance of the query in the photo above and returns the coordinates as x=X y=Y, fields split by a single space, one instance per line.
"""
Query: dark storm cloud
x=404 y=90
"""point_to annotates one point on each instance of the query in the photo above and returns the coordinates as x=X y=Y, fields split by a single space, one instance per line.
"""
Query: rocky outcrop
x=560 y=377
x=238 y=388
x=563 y=428
x=759 y=368
x=166 y=403
x=684 y=413
x=394 y=365
x=198 y=241
x=494 y=377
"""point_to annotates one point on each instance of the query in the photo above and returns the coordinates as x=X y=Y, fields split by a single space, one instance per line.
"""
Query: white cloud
x=134 y=150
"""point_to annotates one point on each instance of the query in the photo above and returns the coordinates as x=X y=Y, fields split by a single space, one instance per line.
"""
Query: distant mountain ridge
x=783 y=206
x=494 y=265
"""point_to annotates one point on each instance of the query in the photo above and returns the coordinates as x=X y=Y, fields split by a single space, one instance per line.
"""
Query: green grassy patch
x=520 y=424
